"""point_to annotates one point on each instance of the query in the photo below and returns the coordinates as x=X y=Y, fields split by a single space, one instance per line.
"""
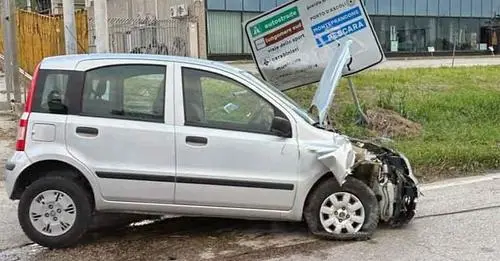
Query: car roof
x=69 y=62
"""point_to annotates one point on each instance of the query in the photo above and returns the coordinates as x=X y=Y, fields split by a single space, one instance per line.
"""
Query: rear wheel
x=55 y=212
x=344 y=210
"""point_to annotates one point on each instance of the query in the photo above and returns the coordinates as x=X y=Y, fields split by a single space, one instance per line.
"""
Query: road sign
x=293 y=43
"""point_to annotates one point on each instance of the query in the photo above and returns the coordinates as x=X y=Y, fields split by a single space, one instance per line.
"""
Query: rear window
x=51 y=92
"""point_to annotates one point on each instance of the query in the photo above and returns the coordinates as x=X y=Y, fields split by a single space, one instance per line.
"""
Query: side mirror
x=281 y=127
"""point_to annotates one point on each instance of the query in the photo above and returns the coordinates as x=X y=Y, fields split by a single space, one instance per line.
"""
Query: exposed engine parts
x=390 y=176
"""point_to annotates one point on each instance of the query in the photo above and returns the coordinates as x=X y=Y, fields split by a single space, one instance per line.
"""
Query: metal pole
x=156 y=10
x=129 y=9
x=364 y=118
x=69 y=27
x=101 y=26
x=454 y=51
x=28 y=5
x=10 y=51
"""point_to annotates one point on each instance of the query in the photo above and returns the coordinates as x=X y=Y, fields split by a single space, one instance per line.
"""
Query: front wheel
x=341 y=211
x=55 y=212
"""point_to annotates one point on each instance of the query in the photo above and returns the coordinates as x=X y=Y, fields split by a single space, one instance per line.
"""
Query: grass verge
x=458 y=108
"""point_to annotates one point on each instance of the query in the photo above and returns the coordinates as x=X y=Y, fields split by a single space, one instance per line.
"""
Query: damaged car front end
x=386 y=172
x=379 y=178
x=389 y=174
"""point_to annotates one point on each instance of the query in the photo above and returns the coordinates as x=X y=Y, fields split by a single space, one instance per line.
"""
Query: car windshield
x=310 y=118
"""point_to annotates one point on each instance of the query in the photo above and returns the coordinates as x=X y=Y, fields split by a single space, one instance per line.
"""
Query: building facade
x=404 y=27
x=151 y=26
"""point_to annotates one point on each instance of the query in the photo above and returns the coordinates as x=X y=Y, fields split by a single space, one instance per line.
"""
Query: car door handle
x=87 y=130
x=197 y=140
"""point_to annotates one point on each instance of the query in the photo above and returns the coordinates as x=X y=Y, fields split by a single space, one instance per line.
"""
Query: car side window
x=133 y=92
x=216 y=101
x=51 y=95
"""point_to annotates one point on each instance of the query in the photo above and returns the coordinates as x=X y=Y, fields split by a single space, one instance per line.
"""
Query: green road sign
x=275 y=21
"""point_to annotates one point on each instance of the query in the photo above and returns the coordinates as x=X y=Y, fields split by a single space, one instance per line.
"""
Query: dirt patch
x=390 y=124
x=8 y=133
x=8 y=129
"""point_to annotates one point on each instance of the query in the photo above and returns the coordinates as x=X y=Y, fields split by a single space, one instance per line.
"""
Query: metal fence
x=145 y=35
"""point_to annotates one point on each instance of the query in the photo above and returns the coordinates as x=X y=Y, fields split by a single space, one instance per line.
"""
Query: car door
x=124 y=131
x=226 y=155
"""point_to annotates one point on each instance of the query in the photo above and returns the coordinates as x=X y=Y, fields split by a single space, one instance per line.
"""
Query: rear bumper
x=13 y=169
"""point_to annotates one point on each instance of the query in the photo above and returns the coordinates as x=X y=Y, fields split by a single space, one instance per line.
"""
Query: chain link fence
x=145 y=35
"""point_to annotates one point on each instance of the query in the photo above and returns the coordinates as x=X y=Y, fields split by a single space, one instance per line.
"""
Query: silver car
x=148 y=134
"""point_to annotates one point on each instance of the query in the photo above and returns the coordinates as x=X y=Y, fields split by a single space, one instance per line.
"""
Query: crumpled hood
x=330 y=79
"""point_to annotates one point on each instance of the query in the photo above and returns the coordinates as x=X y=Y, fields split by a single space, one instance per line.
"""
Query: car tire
x=72 y=204
x=330 y=187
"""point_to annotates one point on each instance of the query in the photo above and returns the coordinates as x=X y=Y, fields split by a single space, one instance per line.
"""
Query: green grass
x=459 y=109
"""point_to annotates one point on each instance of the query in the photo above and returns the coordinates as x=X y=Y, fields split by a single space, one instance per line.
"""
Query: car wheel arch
x=321 y=179
x=43 y=168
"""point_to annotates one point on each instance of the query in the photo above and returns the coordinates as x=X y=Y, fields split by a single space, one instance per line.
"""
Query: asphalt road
x=457 y=220
x=412 y=63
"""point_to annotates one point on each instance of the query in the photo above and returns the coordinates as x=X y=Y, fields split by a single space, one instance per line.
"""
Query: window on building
x=251 y=5
x=280 y=2
x=371 y=6
x=409 y=7
x=496 y=7
x=396 y=7
x=455 y=6
x=476 y=8
x=381 y=26
x=425 y=28
x=421 y=7
x=433 y=7
x=216 y=4
x=447 y=33
x=133 y=92
x=487 y=8
x=384 y=7
x=469 y=30
x=466 y=9
x=234 y=5
x=444 y=7
x=403 y=34
x=266 y=5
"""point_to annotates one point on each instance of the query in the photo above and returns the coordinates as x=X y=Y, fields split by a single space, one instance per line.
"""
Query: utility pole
x=28 y=5
x=11 y=65
x=156 y=10
x=69 y=27
x=101 y=26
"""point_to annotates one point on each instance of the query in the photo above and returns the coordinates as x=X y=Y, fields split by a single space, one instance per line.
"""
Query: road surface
x=457 y=220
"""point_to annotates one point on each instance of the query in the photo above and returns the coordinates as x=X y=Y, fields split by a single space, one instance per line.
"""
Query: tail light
x=21 y=132
x=23 y=122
